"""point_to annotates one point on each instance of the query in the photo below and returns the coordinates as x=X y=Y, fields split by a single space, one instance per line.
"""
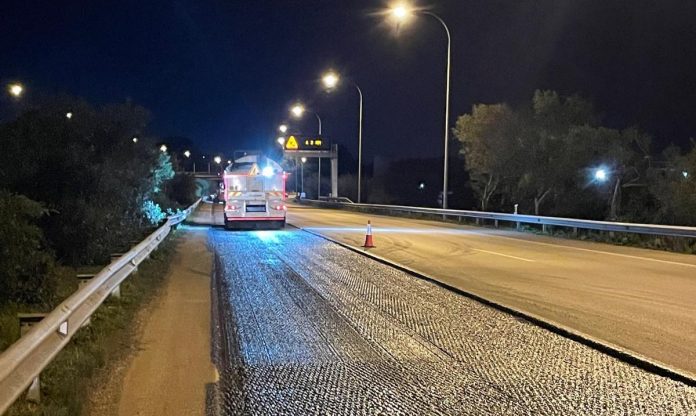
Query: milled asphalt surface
x=640 y=300
x=308 y=327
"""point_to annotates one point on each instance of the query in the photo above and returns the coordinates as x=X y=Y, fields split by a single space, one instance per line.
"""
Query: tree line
x=78 y=182
x=554 y=157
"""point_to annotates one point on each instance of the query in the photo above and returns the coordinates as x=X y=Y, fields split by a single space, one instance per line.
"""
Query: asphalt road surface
x=308 y=327
x=637 y=299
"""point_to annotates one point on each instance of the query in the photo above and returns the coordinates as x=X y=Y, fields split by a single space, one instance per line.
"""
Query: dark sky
x=225 y=72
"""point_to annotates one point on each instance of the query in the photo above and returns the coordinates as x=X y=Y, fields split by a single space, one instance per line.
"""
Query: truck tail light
x=232 y=207
x=280 y=207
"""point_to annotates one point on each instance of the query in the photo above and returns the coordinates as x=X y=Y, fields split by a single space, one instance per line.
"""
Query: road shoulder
x=170 y=367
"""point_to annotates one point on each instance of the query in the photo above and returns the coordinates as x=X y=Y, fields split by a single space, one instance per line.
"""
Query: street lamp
x=601 y=175
x=135 y=140
x=217 y=159
x=163 y=148
x=283 y=128
x=331 y=80
x=15 y=89
x=68 y=115
x=298 y=110
x=401 y=13
x=281 y=141
x=187 y=153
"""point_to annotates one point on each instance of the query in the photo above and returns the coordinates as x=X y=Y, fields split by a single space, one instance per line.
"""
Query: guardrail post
x=496 y=223
x=575 y=231
x=83 y=279
x=26 y=321
x=116 y=293
x=543 y=228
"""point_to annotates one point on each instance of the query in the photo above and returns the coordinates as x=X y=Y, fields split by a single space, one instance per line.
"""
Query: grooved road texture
x=309 y=327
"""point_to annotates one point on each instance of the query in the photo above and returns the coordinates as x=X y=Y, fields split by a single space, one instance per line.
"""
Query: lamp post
x=298 y=110
x=304 y=159
x=331 y=80
x=401 y=13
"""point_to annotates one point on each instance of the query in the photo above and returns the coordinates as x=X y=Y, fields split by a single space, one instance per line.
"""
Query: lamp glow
x=135 y=140
x=281 y=140
x=304 y=159
x=267 y=171
x=601 y=175
x=400 y=12
x=68 y=115
x=187 y=153
x=330 y=80
x=297 y=110
x=217 y=159
x=16 y=89
x=163 y=148
x=283 y=128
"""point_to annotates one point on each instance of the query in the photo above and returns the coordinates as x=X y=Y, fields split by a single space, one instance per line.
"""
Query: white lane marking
x=504 y=255
x=676 y=263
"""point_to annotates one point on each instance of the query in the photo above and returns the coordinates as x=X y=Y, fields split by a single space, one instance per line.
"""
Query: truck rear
x=254 y=189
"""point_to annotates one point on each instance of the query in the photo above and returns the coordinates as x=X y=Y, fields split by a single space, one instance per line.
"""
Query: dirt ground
x=170 y=368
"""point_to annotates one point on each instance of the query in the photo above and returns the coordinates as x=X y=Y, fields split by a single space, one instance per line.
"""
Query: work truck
x=254 y=194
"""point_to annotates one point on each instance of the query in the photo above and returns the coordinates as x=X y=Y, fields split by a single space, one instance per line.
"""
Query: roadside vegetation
x=76 y=184
x=554 y=157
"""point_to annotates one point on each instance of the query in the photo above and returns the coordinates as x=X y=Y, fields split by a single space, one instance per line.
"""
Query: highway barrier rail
x=574 y=224
x=24 y=360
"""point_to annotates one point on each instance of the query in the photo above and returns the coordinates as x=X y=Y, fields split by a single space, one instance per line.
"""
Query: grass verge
x=65 y=382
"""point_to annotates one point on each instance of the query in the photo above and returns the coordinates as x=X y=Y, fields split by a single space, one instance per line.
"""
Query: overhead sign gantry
x=297 y=147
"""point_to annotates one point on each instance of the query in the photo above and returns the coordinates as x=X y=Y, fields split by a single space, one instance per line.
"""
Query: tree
x=549 y=160
x=25 y=261
x=490 y=143
x=87 y=170
x=674 y=187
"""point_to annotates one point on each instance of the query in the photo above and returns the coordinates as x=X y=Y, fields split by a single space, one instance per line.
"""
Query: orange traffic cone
x=368 y=236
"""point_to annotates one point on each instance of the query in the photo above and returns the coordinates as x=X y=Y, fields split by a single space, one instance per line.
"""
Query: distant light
x=330 y=80
x=267 y=171
x=217 y=159
x=600 y=175
x=16 y=89
x=304 y=159
x=135 y=140
x=421 y=185
x=281 y=140
x=297 y=110
x=163 y=148
x=685 y=174
x=203 y=156
x=283 y=128
x=229 y=162
x=68 y=115
x=187 y=153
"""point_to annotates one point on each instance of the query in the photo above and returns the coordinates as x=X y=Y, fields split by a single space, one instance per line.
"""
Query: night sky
x=225 y=72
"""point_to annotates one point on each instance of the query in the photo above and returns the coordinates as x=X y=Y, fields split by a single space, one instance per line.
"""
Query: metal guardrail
x=623 y=227
x=336 y=199
x=25 y=359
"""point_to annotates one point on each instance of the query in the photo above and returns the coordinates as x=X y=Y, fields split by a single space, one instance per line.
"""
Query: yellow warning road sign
x=291 y=144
